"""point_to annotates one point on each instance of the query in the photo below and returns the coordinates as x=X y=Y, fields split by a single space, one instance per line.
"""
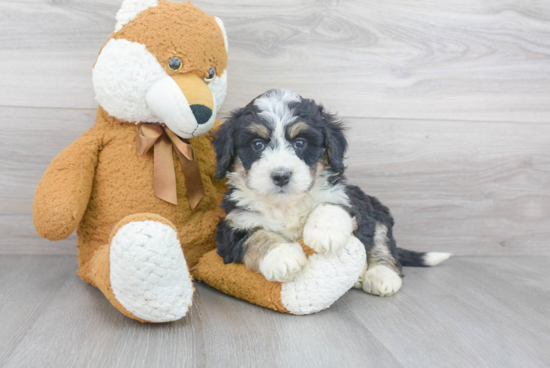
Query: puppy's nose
x=281 y=178
x=202 y=113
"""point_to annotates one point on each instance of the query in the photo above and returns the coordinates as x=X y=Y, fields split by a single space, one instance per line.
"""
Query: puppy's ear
x=224 y=144
x=335 y=142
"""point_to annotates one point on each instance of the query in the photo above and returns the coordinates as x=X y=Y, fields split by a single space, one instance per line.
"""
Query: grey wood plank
x=80 y=328
x=238 y=334
x=20 y=237
x=31 y=138
x=27 y=287
x=470 y=311
x=464 y=187
x=469 y=60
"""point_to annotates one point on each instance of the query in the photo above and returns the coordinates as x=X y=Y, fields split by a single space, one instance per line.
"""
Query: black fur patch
x=230 y=242
x=332 y=128
x=368 y=211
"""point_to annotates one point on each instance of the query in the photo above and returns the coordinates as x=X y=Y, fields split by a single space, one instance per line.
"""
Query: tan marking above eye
x=260 y=130
x=297 y=128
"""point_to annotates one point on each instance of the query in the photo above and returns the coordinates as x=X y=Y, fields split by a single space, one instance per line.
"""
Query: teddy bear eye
x=175 y=64
x=211 y=74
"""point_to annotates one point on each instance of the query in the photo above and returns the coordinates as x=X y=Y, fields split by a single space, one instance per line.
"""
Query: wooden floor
x=468 y=312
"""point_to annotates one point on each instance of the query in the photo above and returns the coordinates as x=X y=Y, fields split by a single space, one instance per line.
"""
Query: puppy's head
x=279 y=144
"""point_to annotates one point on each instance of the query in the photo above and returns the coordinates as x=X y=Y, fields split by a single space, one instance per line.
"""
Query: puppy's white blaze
x=435 y=258
x=130 y=9
x=274 y=106
x=281 y=158
x=123 y=74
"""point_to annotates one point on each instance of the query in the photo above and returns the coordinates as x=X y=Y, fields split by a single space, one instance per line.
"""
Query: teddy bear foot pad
x=148 y=272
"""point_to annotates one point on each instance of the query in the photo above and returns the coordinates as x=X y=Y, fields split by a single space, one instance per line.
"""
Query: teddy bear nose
x=202 y=113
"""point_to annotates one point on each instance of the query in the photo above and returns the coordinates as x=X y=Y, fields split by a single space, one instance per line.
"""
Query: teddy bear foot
x=143 y=272
x=322 y=281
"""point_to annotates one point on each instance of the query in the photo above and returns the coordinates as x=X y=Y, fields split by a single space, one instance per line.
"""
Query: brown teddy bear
x=140 y=184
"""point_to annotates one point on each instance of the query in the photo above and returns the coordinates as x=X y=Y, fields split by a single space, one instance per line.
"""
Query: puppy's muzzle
x=281 y=178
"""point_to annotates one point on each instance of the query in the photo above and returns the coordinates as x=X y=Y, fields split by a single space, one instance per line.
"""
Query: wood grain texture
x=31 y=138
x=468 y=312
x=464 y=187
x=471 y=188
x=466 y=60
x=27 y=287
x=475 y=182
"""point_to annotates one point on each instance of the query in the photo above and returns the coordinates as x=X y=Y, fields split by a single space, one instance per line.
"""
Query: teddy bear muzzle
x=184 y=102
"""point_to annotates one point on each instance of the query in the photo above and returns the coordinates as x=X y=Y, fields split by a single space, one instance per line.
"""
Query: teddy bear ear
x=130 y=9
x=222 y=27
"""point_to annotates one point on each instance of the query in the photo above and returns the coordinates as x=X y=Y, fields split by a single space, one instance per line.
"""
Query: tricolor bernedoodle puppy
x=283 y=157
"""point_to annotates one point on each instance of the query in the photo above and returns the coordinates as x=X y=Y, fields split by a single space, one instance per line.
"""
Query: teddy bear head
x=164 y=63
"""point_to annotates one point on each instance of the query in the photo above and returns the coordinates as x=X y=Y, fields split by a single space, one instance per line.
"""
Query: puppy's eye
x=211 y=74
x=258 y=145
x=299 y=143
x=175 y=64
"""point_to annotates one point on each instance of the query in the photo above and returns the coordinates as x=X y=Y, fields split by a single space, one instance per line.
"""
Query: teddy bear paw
x=148 y=272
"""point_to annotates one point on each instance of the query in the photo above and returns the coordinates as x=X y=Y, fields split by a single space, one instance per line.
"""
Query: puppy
x=283 y=156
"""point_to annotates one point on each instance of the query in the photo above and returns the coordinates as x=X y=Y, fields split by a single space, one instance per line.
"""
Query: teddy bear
x=139 y=186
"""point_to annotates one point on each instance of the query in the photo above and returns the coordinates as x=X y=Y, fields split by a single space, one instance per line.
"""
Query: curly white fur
x=130 y=9
x=123 y=74
x=324 y=279
x=149 y=275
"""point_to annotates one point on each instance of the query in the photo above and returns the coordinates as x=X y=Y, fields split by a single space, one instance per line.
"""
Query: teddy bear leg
x=322 y=281
x=142 y=271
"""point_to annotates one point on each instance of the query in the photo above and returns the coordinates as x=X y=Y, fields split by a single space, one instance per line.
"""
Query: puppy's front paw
x=283 y=262
x=381 y=280
x=328 y=228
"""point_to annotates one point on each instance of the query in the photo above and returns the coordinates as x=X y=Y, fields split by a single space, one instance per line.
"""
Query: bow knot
x=164 y=140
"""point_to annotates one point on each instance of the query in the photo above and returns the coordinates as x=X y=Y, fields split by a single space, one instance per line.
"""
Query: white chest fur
x=284 y=215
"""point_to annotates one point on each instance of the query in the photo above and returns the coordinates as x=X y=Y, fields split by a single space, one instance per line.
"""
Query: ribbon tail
x=164 y=174
x=193 y=181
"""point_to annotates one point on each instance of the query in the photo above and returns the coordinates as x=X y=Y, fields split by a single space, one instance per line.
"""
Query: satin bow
x=164 y=140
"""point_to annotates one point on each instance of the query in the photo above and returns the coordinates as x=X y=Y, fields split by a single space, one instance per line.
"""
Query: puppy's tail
x=419 y=259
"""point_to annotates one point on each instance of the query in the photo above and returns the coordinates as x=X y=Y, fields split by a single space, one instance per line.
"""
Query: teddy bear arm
x=63 y=192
